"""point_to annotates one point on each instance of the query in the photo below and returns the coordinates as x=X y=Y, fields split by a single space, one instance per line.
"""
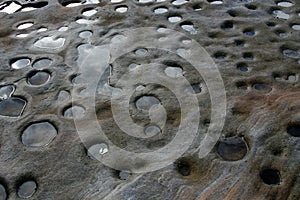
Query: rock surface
x=255 y=45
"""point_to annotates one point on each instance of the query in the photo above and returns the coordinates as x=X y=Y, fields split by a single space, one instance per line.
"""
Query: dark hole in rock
x=270 y=176
x=250 y=6
x=183 y=167
x=227 y=25
x=271 y=24
x=233 y=13
x=197 y=7
x=197 y=88
x=240 y=43
x=220 y=55
x=248 y=56
x=262 y=87
x=232 y=148
x=242 y=85
x=249 y=32
x=242 y=67
x=294 y=130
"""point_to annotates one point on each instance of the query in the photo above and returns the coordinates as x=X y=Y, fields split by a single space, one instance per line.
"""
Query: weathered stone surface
x=256 y=47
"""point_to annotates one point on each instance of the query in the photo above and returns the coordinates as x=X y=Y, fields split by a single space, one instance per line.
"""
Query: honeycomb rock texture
x=255 y=45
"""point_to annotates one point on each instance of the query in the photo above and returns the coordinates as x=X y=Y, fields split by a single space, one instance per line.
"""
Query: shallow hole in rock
x=248 y=56
x=141 y=52
x=22 y=35
x=242 y=67
x=232 y=148
x=152 y=130
x=88 y=12
x=197 y=7
x=85 y=34
x=189 y=27
x=118 y=38
x=241 y=85
x=97 y=150
x=290 y=53
x=12 y=107
x=121 y=9
x=251 y=6
x=42 y=29
x=183 y=167
x=140 y=88
x=27 y=189
x=262 y=87
x=6 y=91
x=296 y=27
x=42 y=63
x=174 y=72
x=215 y=2
x=233 y=13
x=50 y=43
x=285 y=4
x=39 y=134
x=174 y=19
x=249 y=32
x=133 y=66
x=220 y=55
x=292 y=77
x=74 y=112
x=281 y=33
x=144 y=103
x=270 y=176
x=280 y=14
x=19 y=63
x=179 y=2
x=227 y=25
x=63 y=28
x=123 y=174
x=240 y=43
x=37 y=78
x=24 y=25
x=197 y=88
x=271 y=24
x=294 y=130
x=160 y=10
x=116 y=1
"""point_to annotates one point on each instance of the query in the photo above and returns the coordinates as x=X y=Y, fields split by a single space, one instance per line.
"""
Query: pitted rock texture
x=256 y=47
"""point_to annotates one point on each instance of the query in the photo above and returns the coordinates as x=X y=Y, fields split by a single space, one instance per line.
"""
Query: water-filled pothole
x=144 y=103
x=12 y=107
x=20 y=63
x=38 y=78
x=27 y=189
x=75 y=112
x=39 y=134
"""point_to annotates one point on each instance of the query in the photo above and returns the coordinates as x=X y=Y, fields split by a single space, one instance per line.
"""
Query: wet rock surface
x=255 y=45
